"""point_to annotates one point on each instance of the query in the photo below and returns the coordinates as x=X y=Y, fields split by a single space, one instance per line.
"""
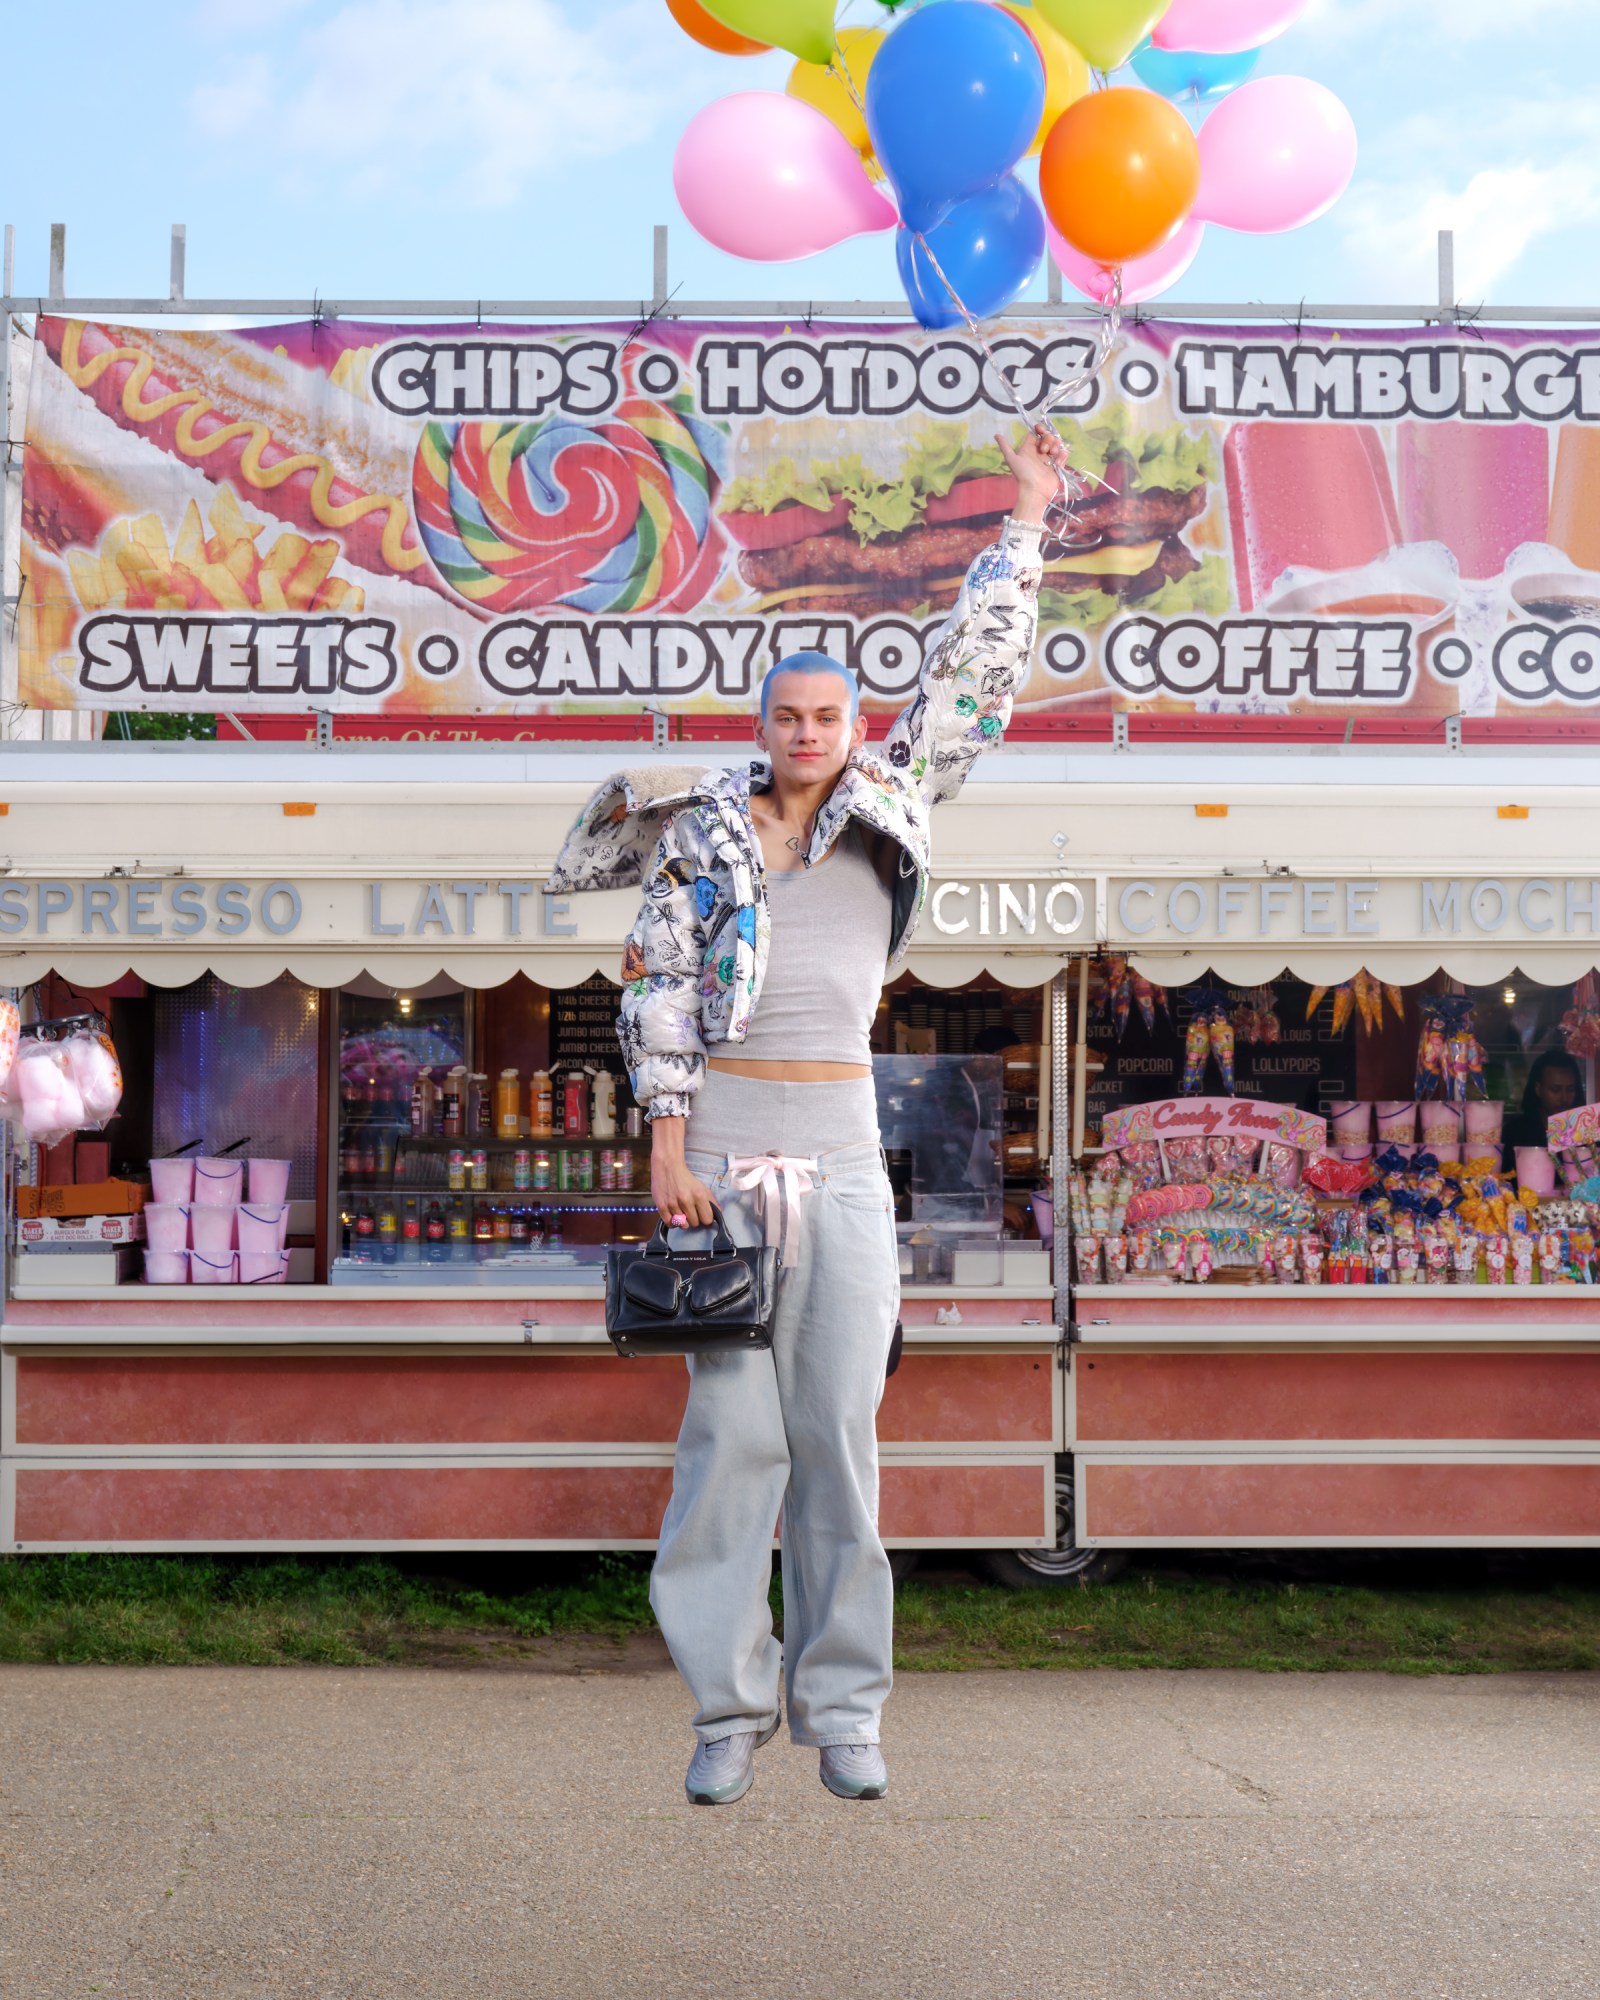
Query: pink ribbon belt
x=780 y=1181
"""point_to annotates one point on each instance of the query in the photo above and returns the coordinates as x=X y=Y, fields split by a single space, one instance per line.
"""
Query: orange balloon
x=696 y=22
x=1118 y=174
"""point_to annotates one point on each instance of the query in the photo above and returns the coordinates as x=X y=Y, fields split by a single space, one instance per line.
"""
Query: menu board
x=583 y=1026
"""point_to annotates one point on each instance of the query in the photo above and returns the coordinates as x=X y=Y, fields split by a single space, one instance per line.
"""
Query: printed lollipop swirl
x=609 y=516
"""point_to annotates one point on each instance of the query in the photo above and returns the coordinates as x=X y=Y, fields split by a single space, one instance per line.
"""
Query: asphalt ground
x=383 y=1834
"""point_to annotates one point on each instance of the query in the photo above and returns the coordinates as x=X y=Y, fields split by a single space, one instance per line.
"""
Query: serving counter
x=351 y=1418
x=1223 y=1416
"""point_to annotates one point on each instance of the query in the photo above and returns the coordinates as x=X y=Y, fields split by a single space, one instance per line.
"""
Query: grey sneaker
x=723 y=1771
x=855 y=1771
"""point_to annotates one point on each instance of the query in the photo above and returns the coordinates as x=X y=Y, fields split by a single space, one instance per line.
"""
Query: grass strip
x=1280 y=1627
x=369 y=1610
x=295 y=1610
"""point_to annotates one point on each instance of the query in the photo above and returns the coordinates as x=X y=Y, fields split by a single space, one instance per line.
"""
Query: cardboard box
x=101 y=1230
x=77 y=1269
x=84 y=1198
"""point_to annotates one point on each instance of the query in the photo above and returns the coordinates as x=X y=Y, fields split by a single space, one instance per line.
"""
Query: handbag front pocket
x=719 y=1287
x=655 y=1285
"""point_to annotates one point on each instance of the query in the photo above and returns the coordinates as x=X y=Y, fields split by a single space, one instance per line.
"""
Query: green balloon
x=1107 y=31
x=803 y=27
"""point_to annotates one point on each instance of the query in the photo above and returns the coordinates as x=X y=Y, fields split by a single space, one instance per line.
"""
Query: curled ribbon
x=781 y=1182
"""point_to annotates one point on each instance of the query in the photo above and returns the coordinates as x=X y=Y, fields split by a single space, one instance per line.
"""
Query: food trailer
x=364 y=977
x=433 y=1369
x=1233 y=1206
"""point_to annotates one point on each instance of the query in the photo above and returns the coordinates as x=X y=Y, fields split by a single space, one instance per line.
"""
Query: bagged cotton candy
x=93 y=1063
x=48 y=1097
x=1196 y=1048
x=10 y=1029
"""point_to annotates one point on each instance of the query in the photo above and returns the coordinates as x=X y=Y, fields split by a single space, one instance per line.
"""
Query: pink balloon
x=1142 y=277
x=766 y=176
x=1278 y=153
x=1223 y=27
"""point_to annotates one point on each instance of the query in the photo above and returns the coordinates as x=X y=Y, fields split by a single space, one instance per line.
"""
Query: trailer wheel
x=1036 y=1569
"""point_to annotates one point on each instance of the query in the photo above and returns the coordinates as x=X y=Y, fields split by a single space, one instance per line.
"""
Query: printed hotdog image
x=569 y=520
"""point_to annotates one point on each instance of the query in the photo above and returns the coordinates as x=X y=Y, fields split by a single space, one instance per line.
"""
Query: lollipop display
x=610 y=516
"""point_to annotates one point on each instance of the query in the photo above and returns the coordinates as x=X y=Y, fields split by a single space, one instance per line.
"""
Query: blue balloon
x=954 y=98
x=1181 y=73
x=988 y=246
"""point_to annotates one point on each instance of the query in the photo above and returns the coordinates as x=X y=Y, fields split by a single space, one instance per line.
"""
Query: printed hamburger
x=839 y=538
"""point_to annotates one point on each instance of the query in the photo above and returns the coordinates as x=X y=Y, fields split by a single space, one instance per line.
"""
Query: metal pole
x=1447 y=274
x=180 y=247
x=8 y=598
x=658 y=277
x=1080 y=1063
x=1061 y=1108
x=1052 y=279
x=58 y=262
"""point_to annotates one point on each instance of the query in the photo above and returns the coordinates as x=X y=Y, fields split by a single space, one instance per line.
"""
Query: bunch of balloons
x=938 y=110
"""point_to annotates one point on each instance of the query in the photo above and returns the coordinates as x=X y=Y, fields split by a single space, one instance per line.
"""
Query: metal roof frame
x=1445 y=309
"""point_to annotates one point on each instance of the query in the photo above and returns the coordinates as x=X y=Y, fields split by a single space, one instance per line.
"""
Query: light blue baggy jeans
x=793 y=1429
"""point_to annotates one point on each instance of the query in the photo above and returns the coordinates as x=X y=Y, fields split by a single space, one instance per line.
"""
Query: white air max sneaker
x=855 y=1771
x=723 y=1771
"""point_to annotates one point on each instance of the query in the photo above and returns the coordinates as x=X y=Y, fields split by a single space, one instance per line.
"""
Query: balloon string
x=1072 y=485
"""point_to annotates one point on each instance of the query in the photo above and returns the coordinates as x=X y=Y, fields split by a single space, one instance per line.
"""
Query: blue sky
x=425 y=148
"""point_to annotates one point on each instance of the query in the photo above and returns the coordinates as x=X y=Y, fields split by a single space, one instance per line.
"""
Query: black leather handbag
x=665 y=1301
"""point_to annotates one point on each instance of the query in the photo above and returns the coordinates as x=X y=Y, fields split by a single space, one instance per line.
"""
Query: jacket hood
x=611 y=841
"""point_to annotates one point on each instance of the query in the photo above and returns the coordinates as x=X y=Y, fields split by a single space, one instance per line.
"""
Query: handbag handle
x=659 y=1246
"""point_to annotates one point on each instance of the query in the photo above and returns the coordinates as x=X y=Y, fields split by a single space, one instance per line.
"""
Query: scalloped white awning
x=170 y=878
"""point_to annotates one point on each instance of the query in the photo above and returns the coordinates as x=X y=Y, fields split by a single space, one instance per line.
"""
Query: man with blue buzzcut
x=778 y=897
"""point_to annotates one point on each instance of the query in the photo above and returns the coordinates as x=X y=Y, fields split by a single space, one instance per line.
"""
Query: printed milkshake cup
x=1306 y=496
x=1482 y=489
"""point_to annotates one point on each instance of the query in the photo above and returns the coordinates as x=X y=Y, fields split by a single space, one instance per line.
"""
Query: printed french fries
x=225 y=570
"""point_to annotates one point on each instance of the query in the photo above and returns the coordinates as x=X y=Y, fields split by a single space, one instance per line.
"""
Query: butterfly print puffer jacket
x=693 y=963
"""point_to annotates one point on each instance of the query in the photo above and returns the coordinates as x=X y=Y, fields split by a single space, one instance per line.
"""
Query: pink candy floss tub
x=269 y=1180
x=218 y=1183
x=172 y=1181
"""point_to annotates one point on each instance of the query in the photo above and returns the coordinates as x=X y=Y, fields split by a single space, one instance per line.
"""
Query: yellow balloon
x=1066 y=69
x=818 y=85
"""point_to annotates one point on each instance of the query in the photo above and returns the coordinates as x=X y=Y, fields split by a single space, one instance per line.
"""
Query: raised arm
x=971 y=666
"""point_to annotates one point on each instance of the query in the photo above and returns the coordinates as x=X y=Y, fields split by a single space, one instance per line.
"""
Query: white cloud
x=456 y=102
x=1391 y=229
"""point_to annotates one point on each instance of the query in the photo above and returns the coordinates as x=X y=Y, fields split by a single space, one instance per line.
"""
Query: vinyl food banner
x=576 y=519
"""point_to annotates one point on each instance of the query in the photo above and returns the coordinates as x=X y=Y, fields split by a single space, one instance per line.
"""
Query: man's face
x=1557 y=1091
x=807 y=731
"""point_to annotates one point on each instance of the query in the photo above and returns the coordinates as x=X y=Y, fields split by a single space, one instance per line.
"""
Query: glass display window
x=468 y=1153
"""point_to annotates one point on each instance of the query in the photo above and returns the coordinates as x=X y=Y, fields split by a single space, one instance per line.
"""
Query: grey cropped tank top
x=826 y=961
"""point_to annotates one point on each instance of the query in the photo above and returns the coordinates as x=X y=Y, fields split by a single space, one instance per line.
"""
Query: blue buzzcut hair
x=813 y=663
